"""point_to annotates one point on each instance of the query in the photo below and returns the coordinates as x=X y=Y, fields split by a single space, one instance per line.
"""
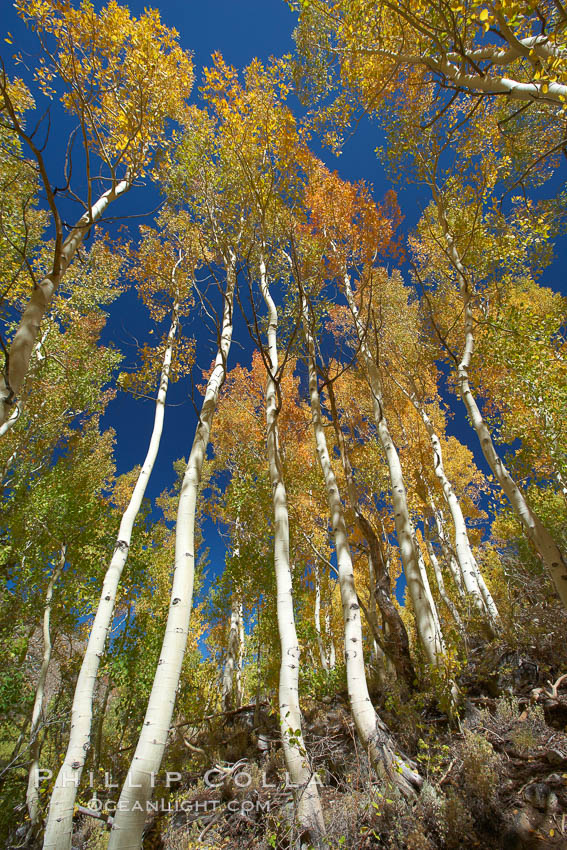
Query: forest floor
x=495 y=776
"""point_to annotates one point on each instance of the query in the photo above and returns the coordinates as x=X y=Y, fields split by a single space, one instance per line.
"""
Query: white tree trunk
x=427 y=586
x=21 y=348
x=137 y=790
x=449 y=604
x=232 y=652
x=425 y=614
x=548 y=550
x=370 y=728
x=240 y=657
x=317 y=618
x=380 y=661
x=468 y=566
x=59 y=827
x=562 y=484
x=331 y=660
x=308 y=804
x=10 y=421
x=448 y=553
x=16 y=413
x=32 y=797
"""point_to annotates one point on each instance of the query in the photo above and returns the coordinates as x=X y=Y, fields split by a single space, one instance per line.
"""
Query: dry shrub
x=481 y=768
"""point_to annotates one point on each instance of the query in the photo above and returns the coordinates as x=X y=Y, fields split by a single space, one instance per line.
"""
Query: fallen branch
x=231 y=713
x=83 y=810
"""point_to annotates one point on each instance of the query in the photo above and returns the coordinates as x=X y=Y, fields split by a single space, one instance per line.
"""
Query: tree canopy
x=326 y=592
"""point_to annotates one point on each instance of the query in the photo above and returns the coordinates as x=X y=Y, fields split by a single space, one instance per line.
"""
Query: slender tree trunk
x=379 y=661
x=32 y=798
x=228 y=679
x=549 y=552
x=240 y=656
x=447 y=549
x=10 y=421
x=137 y=790
x=372 y=732
x=372 y=603
x=449 y=604
x=309 y=811
x=562 y=484
x=17 y=412
x=424 y=613
x=489 y=603
x=317 y=618
x=396 y=641
x=468 y=566
x=544 y=544
x=331 y=659
x=259 y=681
x=21 y=348
x=59 y=827
x=427 y=586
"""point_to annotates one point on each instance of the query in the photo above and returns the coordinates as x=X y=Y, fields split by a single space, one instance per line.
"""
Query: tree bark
x=20 y=350
x=546 y=547
x=308 y=803
x=137 y=790
x=425 y=619
x=317 y=619
x=371 y=730
x=449 y=604
x=239 y=684
x=448 y=552
x=331 y=660
x=231 y=663
x=469 y=568
x=59 y=827
x=395 y=639
x=32 y=797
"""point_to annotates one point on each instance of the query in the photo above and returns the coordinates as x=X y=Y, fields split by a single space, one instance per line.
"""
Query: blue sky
x=240 y=31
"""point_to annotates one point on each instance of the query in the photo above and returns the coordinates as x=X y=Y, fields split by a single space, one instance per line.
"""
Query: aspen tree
x=440 y=49
x=32 y=796
x=122 y=79
x=469 y=571
x=309 y=811
x=552 y=557
x=396 y=641
x=231 y=665
x=351 y=228
x=447 y=550
x=239 y=683
x=468 y=566
x=372 y=732
x=59 y=826
x=137 y=790
x=317 y=620
x=265 y=150
x=448 y=602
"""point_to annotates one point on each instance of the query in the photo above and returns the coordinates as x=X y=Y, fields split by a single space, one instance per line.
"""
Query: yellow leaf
x=484 y=15
x=8 y=39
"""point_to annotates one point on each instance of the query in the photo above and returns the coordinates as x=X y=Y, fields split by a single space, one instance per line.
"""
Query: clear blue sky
x=240 y=31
